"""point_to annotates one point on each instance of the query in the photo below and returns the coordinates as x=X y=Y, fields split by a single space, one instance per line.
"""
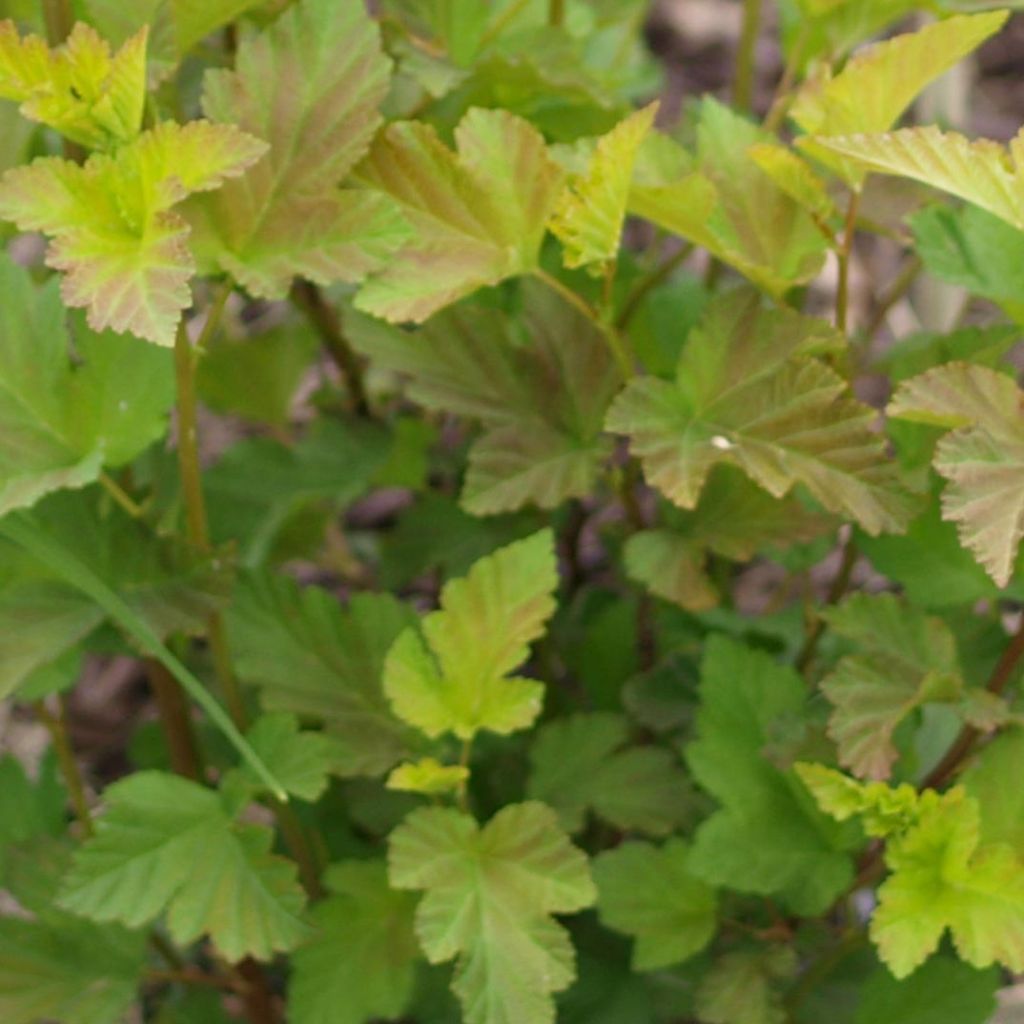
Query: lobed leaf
x=80 y=88
x=972 y=248
x=428 y=776
x=749 y=393
x=542 y=398
x=980 y=171
x=741 y=988
x=878 y=84
x=943 y=876
x=648 y=893
x=591 y=209
x=583 y=762
x=166 y=846
x=287 y=216
x=455 y=679
x=309 y=656
x=360 y=962
x=982 y=459
x=42 y=617
x=113 y=231
x=723 y=201
x=904 y=659
x=60 y=423
x=489 y=896
x=68 y=970
x=766 y=837
x=478 y=213
x=298 y=759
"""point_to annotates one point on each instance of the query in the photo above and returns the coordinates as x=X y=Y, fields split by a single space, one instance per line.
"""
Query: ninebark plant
x=466 y=711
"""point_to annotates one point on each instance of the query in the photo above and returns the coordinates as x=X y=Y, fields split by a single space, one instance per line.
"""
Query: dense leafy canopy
x=487 y=539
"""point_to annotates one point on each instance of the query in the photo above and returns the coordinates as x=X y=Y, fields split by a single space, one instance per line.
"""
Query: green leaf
x=796 y=178
x=299 y=759
x=63 y=562
x=428 y=776
x=924 y=350
x=39 y=622
x=929 y=563
x=982 y=458
x=29 y=808
x=287 y=216
x=542 y=398
x=113 y=230
x=904 y=659
x=478 y=212
x=88 y=94
x=309 y=656
x=194 y=1006
x=831 y=28
x=722 y=200
x=1001 y=804
x=61 y=422
x=975 y=250
x=885 y=810
x=591 y=209
x=880 y=82
x=981 y=171
x=941 y=879
x=583 y=762
x=741 y=987
x=647 y=892
x=734 y=518
x=749 y=392
x=767 y=838
x=942 y=875
x=943 y=991
x=435 y=534
x=42 y=616
x=670 y=566
x=260 y=483
x=360 y=963
x=489 y=897
x=166 y=845
x=257 y=377
x=196 y=19
x=67 y=970
x=482 y=631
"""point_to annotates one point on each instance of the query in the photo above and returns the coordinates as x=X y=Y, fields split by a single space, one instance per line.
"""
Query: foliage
x=542 y=589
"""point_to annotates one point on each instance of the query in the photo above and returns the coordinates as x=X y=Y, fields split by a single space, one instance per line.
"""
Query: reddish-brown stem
x=835 y=592
x=962 y=746
x=954 y=758
x=176 y=721
x=325 y=321
x=260 y=1005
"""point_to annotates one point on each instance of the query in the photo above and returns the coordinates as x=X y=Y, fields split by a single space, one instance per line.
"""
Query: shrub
x=537 y=624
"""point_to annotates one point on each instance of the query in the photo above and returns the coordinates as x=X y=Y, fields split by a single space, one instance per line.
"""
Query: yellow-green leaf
x=455 y=679
x=489 y=898
x=479 y=212
x=721 y=200
x=880 y=82
x=80 y=88
x=111 y=223
x=981 y=171
x=592 y=207
x=429 y=776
